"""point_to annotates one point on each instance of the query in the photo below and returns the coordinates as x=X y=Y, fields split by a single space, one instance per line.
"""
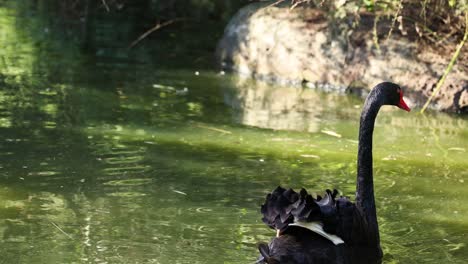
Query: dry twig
x=61 y=230
x=151 y=30
x=105 y=5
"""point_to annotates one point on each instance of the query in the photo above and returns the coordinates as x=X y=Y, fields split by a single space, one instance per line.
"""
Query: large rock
x=301 y=46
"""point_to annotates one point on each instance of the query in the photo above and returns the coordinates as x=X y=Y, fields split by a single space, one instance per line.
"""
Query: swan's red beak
x=402 y=104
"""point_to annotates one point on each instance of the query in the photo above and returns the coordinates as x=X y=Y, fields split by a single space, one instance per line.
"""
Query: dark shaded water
x=110 y=158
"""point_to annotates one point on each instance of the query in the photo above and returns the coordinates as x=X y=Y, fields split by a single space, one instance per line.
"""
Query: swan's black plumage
x=301 y=246
x=355 y=223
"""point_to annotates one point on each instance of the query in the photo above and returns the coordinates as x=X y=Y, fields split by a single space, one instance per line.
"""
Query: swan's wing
x=347 y=217
x=277 y=208
x=317 y=227
x=328 y=210
x=282 y=207
x=306 y=208
x=338 y=216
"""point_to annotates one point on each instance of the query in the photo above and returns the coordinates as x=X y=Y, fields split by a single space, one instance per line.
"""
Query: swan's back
x=338 y=217
x=301 y=246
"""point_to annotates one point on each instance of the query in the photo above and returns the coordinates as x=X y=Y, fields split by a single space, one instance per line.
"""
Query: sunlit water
x=104 y=161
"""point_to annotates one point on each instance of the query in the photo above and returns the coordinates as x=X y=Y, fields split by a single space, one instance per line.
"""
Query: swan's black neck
x=365 y=186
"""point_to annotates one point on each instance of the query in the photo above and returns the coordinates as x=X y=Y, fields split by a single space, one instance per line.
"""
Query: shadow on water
x=104 y=159
x=125 y=181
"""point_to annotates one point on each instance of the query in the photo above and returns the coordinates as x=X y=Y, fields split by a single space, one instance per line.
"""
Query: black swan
x=331 y=229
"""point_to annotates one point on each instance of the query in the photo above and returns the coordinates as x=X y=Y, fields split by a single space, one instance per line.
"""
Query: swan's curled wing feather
x=338 y=215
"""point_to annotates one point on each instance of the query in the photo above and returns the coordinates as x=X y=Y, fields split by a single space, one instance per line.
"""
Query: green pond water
x=109 y=158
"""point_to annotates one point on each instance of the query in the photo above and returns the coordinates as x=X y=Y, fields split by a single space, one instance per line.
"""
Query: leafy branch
x=450 y=65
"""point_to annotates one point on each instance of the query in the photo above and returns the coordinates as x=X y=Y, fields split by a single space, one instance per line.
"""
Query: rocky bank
x=302 y=46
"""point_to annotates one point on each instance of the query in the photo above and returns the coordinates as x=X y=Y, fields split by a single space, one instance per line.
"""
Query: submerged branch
x=151 y=30
x=214 y=129
x=104 y=3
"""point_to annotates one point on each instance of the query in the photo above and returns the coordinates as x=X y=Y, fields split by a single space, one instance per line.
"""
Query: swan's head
x=392 y=94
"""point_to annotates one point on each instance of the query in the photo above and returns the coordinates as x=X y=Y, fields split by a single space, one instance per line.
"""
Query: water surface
x=110 y=159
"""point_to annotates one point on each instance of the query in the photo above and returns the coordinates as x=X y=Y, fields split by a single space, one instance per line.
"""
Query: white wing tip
x=317 y=227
